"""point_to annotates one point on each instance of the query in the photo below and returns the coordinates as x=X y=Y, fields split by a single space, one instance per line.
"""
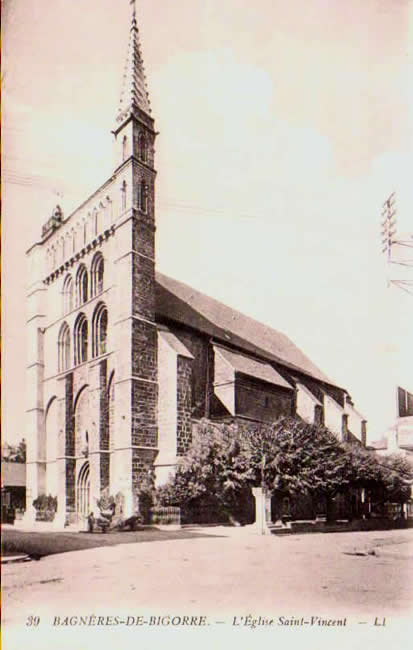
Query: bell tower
x=136 y=388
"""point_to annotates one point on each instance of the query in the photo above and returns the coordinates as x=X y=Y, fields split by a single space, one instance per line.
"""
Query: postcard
x=207 y=307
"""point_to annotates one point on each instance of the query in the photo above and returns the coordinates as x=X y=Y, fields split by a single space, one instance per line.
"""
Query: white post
x=262 y=510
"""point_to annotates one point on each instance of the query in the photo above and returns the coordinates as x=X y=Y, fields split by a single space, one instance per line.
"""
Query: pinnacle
x=134 y=91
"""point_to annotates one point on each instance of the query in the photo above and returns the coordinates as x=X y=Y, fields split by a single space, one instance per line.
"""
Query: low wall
x=343 y=527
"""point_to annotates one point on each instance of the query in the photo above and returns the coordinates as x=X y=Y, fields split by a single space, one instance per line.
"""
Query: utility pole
x=389 y=240
x=388 y=229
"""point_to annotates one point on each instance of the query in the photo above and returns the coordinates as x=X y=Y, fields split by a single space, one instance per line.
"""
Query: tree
x=363 y=467
x=294 y=457
x=14 y=454
x=210 y=474
x=397 y=478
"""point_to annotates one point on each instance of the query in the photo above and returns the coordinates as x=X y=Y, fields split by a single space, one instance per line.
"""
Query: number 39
x=33 y=621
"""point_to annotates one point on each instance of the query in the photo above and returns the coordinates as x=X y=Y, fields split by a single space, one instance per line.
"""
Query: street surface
x=361 y=577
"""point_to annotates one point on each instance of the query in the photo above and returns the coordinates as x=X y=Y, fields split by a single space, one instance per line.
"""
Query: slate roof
x=178 y=302
x=252 y=367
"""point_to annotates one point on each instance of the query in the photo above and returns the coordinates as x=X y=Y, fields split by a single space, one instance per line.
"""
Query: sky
x=283 y=127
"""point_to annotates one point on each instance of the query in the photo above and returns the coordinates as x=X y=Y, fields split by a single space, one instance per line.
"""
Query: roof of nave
x=178 y=302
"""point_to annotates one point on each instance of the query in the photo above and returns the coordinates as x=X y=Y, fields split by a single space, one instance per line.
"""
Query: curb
x=10 y=559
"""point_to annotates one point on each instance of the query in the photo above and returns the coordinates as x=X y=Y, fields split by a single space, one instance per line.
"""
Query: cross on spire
x=134 y=93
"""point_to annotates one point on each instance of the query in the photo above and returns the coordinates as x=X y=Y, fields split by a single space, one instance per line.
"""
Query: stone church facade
x=123 y=361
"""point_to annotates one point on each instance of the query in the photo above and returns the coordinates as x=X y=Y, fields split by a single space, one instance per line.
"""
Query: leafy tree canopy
x=14 y=453
x=289 y=456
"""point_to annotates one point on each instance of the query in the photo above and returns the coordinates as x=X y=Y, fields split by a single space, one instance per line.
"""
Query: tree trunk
x=329 y=508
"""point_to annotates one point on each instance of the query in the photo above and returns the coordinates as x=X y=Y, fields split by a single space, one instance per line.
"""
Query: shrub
x=45 y=507
x=44 y=502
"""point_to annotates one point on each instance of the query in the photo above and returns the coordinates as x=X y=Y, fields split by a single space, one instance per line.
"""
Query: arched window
x=99 y=330
x=123 y=195
x=124 y=147
x=97 y=270
x=80 y=339
x=143 y=196
x=81 y=286
x=63 y=348
x=142 y=149
x=67 y=294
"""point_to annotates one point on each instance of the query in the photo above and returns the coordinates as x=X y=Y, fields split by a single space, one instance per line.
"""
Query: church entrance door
x=83 y=490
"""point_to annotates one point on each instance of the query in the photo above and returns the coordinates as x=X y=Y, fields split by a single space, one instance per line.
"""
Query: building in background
x=13 y=489
x=123 y=361
x=399 y=437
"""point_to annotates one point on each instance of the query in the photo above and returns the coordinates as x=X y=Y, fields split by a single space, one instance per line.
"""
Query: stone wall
x=103 y=426
x=261 y=401
x=144 y=414
x=144 y=350
x=70 y=445
x=184 y=404
x=143 y=291
x=202 y=370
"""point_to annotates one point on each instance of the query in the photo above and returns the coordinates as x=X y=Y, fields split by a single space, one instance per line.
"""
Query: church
x=123 y=362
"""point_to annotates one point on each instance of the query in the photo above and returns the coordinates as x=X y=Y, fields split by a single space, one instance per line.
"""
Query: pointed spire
x=134 y=92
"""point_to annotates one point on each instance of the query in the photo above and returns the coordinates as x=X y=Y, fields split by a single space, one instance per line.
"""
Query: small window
x=67 y=294
x=81 y=286
x=123 y=195
x=99 y=330
x=63 y=348
x=142 y=147
x=124 y=148
x=143 y=196
x=318 y=414
x=97 y=272
x=80 y=341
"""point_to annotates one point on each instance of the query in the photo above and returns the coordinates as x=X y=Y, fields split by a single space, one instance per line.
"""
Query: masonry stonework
x=184 y=405
x=122 y=360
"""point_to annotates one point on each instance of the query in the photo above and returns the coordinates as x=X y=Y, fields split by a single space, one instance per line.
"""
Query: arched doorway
x=83 y=490
x=52 y=441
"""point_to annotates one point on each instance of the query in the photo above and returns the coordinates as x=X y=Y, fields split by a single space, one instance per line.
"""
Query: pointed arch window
x=143 y=196
x=68 y=294
x=142 y=147
x=99 y=330
x=123 y=195
x=124 y=147
x=97 y=272
x=81 y=285
x=63 y=348
x=80 y=339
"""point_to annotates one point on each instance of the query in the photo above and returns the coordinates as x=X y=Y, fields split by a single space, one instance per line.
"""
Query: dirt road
x=360 y=578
